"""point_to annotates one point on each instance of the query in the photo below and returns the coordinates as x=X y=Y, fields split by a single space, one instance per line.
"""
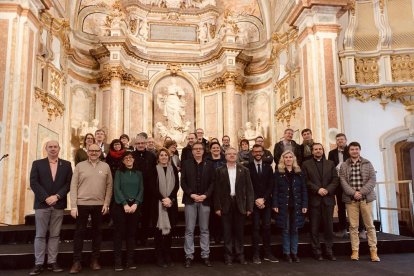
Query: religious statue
x=143 y=30
x=251 y=133
x=203 y=35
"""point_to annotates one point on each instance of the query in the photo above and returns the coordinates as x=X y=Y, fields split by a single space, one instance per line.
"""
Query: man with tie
x=261 y=174
x=233 y=202
x=322 y=181
x=50 y=181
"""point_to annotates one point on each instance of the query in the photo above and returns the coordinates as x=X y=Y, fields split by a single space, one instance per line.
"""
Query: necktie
x=259 y=169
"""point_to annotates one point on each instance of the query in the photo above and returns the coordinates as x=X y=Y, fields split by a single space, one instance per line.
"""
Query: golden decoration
x=366 y=70
x=117 y=71
x=403 y=94
x=221 y=81
x=52 y=104
x=287 y=111
x=283 y=90
x=173 y=68
x=402 y=68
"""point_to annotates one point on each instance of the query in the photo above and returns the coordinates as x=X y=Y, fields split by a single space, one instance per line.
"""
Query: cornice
x=288 y=110
x=52 y=104
x=221 y=81
x=110 y=72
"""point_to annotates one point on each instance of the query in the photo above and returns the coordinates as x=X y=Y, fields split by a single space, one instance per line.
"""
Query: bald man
x=50 y=181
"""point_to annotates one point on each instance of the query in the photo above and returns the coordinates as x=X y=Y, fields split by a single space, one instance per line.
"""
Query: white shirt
x=257 y=163
x=232 y=179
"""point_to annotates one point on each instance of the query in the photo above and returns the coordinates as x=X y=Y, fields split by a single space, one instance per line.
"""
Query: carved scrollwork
x=110 y=71
x=288 y=111
x=402 y=67
x=221 y=81
x=52 y=104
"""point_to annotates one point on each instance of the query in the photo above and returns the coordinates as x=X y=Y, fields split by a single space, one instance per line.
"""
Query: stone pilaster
x=231 y=130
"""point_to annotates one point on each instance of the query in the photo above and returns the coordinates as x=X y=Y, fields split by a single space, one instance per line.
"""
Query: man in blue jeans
x=261 y=174
x=50 y=181
x=197 y=184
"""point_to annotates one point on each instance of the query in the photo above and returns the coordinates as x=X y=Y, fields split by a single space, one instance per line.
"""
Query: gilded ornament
x=52 y=104
x=366 y=70
x=288 y=111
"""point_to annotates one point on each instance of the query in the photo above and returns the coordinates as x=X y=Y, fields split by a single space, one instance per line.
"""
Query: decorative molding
x=117 y=71
x=220 y=82
x=173 y=68
x=402 y=67
x=386 y=94
x=53 y=105
x=287 y=111
x=367 y=70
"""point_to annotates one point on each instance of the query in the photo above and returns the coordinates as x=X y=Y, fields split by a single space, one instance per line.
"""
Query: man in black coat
x=145 y=161
x=287 y=144
x=339 y=155
x=50 y=182
x=322 y=181
x=261 y=175
x=233 y=202
x=197 y=184
x=187 y=152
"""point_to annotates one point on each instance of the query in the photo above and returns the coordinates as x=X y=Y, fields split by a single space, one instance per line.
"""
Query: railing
x=400 y=209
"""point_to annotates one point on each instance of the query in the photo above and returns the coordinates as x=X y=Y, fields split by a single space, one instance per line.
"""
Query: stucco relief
x=86 y=3
x=173 y=109
x=94 y=24
x=241 y=7
x=259 y=112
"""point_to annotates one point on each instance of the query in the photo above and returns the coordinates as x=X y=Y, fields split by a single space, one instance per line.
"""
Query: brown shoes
x=355 y=255
x=95 y=264
x=76 y=268
x=374 y=255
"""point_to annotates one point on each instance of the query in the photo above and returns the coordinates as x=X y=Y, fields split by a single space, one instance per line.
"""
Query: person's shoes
x=363 y=235
x=287 y=258
x=374 y=256
x=54 y=267
x=36 y=270
x=95 y=265
x=341 y=234
x=131 y=266
x=206 y=262
x=187 y=263
x=118 y=268
x=242 y=261
x=318 y=257
x=355 y=255
x=76 y=268
x=228 y=261
x=295 y=258
x=256 y=259
x=270 y=258
x=330 y=257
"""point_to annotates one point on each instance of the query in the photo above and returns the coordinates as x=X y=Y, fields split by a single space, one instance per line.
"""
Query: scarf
x=307 y=147
x=116 y=154
x=166 y=183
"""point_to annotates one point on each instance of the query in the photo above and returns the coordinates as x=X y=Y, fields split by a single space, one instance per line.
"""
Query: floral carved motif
x=53 y=105
x=366 y=70
x=402 y=67
x=287 y=111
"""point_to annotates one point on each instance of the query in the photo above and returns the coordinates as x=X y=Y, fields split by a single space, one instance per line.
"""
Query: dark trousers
x=163 y=246
x=144 y=226
x=233 y=231
x=261 y=215
x=125 y=226
x=95 y=211
x=215 y=227
x=322 y=213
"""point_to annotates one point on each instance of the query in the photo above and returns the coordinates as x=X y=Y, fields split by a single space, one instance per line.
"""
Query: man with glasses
x=187 y=152
x=225 y=143
x=197 y=184
x=90 y=194
x=145 y=161
x=267 y=156
x=201 y=139
x=261 y=175
x=100 y=136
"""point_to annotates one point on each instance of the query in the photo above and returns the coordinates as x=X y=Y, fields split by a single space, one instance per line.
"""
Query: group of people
x=137 y=185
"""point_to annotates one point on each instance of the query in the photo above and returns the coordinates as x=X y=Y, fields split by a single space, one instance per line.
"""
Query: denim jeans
x=192 y=211
x=290 y=234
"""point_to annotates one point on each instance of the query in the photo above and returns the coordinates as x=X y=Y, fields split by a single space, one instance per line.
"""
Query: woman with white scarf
x=167 y=209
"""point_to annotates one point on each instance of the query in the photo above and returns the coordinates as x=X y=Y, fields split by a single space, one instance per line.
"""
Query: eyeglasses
x=94 y=151
x=197 y=148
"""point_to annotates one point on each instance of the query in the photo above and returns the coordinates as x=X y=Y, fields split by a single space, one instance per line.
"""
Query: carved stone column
x=318 y=26
x=112 y=112
x=230 y=125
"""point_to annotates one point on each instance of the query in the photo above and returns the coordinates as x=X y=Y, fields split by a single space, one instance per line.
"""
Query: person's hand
x=133 y=208
x=105 y=209
x=304 y=210
x=166 y=202
x=51 y=200
x=127 y=209
x=322 y=192
x=358 y=195
x=201 y=198
x=218 y=213
x=74 y=212
x=276 y=210
x=248 y=213
x=260 y=203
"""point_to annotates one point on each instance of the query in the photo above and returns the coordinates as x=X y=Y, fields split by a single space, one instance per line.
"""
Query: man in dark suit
x=261 y=174
x=197 y=184
x=322 y=181
x=338 y=156
x=100 y=136
x=287 y=144
x=233 y=201
x=187 y=152
x=50 y=181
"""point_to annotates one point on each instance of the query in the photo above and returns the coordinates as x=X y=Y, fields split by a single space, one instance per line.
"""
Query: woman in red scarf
x=114 y=157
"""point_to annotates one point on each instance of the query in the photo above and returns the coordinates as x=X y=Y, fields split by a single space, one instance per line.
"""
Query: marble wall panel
x=106 y=103
x=330 y=85
x=238 y=113
x=136 y=113
x=211 y=128
x=4 y=40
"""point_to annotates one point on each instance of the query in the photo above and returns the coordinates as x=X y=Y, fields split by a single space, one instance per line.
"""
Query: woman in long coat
x=290 y=202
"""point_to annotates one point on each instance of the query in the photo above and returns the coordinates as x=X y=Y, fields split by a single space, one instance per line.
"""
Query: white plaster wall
x=366 y=123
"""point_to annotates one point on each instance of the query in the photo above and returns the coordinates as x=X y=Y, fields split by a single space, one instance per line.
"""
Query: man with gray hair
x=50 y=181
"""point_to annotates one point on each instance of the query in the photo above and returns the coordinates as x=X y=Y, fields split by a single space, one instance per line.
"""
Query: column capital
x=230 y=77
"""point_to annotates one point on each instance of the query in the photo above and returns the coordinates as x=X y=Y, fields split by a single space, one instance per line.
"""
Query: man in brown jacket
x=90 y=194
x=358 y=179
